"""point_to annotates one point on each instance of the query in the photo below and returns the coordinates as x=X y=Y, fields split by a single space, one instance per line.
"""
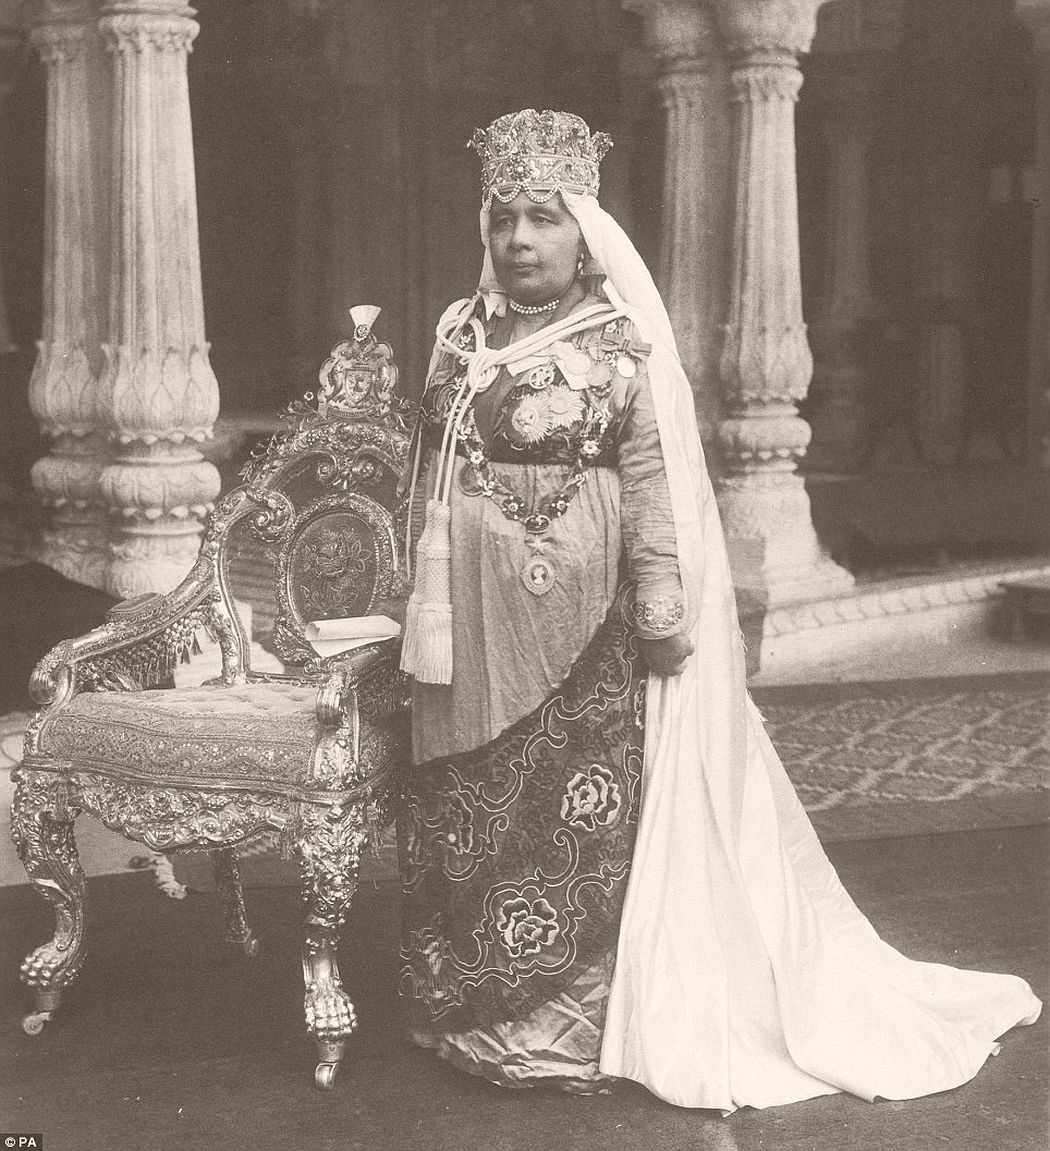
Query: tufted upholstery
x=257 y=734
x=217 y=767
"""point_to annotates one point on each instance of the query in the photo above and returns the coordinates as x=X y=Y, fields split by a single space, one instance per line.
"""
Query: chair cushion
x=252 y=735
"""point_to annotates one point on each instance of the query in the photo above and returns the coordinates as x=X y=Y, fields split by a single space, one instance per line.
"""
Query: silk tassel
x=427 y=649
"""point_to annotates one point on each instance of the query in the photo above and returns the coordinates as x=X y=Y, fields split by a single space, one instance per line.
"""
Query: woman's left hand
x=666 y=656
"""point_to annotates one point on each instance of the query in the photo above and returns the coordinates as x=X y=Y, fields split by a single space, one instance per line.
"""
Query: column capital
x=61 y=30
x=148 y=25
x=767 y=27
x=685 y=86
x=765 y=80
x=60 y=43
x=681 y=34
x=1035 y=15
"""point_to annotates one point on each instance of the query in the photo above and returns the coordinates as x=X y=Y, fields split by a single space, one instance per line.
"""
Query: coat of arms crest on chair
x=311 y=754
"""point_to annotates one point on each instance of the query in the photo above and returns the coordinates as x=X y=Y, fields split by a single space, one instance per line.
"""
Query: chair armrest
x=351 y=670
x=357 y=708
x=144 y=638
x=139 y=645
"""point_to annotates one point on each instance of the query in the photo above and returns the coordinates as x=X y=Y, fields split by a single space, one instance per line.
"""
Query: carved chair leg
x=231 y=896
x=42 y=829
x=329 y=846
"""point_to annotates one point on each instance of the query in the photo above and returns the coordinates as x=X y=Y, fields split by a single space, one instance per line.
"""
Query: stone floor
x=163 y=1046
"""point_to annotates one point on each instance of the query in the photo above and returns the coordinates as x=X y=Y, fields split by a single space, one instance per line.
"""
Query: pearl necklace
x=533 y=309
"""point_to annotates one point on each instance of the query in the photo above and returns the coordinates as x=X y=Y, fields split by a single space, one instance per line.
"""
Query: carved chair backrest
x=336 y=530
x=324 y=498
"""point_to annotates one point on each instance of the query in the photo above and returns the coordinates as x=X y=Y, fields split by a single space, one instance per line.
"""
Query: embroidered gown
x=733 y=968
x=518 y=827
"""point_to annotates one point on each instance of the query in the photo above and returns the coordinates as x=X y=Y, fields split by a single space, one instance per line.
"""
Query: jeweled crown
x=540 y=154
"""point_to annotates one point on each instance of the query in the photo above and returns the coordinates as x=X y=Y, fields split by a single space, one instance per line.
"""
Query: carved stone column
x=1035 y=14
x=63 y=388
x=766 y=362
x=694 y=245
x=159 y=394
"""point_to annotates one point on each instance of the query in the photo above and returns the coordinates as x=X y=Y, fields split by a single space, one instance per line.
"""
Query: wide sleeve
x=658 y=609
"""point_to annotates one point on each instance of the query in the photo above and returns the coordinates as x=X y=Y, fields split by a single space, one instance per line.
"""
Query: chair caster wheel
x=324 y=1075
x=34 y=1022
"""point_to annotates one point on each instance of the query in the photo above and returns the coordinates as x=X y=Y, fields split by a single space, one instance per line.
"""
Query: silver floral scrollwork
x=324 y=781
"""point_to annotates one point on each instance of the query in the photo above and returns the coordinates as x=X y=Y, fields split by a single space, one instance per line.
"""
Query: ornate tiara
x=540 y=154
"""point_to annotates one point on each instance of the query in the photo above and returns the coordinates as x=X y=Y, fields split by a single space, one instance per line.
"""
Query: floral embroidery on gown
x=515 y=853
x=536 y=781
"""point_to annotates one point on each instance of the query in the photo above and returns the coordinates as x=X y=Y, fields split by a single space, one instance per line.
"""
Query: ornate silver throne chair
x=311 y=754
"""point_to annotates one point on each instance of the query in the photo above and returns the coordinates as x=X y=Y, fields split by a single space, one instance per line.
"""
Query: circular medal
x=626 y=367
x=541 y=377
x=468 y=481
x=538 y=575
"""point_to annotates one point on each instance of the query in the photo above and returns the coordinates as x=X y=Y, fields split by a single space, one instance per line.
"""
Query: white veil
x=744 y=972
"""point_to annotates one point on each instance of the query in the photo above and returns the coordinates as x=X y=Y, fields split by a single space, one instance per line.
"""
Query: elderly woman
x=606 y=870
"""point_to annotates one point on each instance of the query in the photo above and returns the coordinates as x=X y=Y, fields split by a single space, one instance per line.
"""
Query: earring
x=580 y=261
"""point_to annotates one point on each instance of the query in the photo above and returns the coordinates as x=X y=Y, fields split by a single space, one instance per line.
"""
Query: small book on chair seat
x=331 y=636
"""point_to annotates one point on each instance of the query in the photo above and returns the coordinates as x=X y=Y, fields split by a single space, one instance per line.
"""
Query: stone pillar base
x=75 y=538
x=161 y=494
x=773 y=548
x=75 y=547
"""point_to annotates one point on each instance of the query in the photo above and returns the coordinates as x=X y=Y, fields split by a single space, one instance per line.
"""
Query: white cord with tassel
x=426 y=651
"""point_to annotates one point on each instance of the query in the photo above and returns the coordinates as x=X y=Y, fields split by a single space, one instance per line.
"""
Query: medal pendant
x=537 y=574
x=468 y=481
x=626 y=367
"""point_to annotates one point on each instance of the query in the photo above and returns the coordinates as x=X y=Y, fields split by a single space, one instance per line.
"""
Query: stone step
x=949 y=624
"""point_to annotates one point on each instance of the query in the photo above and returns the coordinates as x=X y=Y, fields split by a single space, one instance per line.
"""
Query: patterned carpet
x=920 y=740
x=916 y=755
x=880 y=759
